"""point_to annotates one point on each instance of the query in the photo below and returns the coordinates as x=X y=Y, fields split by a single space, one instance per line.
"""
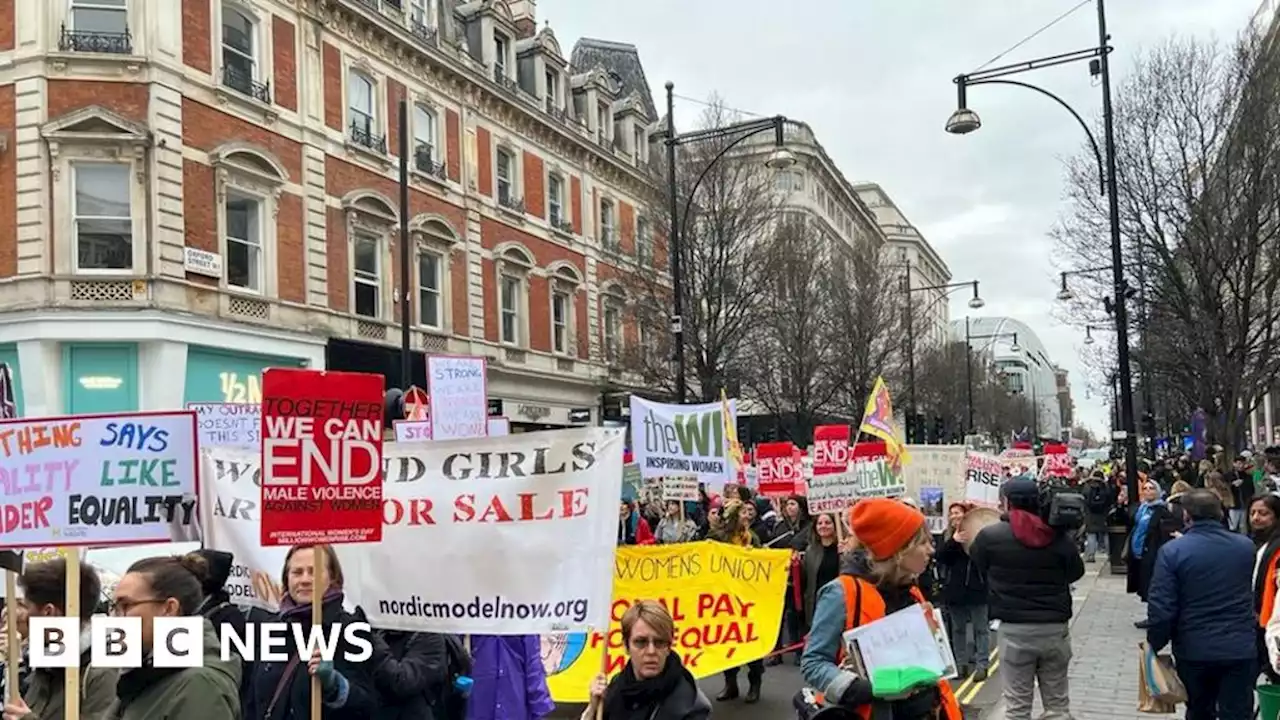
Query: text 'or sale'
x=97 y=480
x=321 y=457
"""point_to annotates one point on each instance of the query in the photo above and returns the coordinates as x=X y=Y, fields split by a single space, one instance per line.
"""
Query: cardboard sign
x=830 y=449
x=781 y=472
x=680 y=488
x=459 y=396
x=832 y=492
x=228 y=424
x=983 y=478
x=97 y=480
x=321 y=457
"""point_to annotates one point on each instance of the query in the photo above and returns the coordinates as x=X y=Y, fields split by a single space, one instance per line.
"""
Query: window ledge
x=75 y=63
x=563 y=231
x=426 y=177
x=383 y=160
x=514 y=213
x=250 y=105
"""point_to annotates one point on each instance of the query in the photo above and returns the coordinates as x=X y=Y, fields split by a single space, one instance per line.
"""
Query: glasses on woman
x=122 y=607
x=644 y=643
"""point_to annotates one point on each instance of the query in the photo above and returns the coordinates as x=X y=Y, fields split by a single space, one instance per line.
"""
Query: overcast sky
x=873 y=79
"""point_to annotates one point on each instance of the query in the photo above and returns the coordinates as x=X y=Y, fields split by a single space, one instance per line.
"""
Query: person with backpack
x=877 y=579
x=1099 y=498
x=411 y=672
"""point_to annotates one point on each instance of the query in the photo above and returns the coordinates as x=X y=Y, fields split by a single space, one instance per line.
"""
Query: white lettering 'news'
x=178 y=642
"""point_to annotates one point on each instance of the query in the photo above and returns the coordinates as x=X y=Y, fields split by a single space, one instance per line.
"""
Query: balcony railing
x=427 y=35
x=365 y=137
x=244 y=84
x=514 y=204
x=562 y=225
x=424 y=161
x=95 y=42
x=506 y=82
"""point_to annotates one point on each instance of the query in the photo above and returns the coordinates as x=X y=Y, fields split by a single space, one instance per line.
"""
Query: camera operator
x=1030 y=563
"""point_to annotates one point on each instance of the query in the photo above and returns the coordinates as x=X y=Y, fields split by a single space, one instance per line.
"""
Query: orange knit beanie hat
x=884 y=526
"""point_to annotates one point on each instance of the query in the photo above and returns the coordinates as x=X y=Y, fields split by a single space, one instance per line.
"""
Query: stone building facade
x=200 y=189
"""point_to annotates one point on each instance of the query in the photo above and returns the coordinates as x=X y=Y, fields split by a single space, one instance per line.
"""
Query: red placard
x=1058 y=464
x=869 y=451
x=781 y=471
x=830 y=449
x=321 y=457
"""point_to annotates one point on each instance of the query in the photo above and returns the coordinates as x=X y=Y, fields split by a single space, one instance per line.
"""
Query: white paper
x=902 y=639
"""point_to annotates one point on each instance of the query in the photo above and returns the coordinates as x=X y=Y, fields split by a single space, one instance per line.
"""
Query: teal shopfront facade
x=9 y=356
x=215 y=375
x=100 y=378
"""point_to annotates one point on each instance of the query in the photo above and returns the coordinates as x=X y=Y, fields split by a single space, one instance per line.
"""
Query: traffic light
x=1148 y=423
x=939 y=429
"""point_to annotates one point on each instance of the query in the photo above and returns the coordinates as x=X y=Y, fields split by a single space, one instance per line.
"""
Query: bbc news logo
x=178 y=642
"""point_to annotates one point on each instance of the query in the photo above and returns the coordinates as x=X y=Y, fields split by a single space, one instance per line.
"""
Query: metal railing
x=514 y=204
x=365 y=137
x=95 y=42
x=244 y=84
x=424 y=161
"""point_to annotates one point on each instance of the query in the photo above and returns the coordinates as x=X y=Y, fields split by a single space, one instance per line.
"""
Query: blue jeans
x=1219 y=690
x=1092 y=542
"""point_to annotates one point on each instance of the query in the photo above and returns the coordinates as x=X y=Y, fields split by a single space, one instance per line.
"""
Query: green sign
x=876 y=479
x=221 y=376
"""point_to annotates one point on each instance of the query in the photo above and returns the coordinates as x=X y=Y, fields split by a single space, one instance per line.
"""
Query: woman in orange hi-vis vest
x=1264 y=526
x=877 y=578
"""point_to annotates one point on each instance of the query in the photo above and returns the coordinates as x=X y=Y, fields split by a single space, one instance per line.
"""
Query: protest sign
x=983 y=479
x=459 y=396
x=447 y=505
x=833 y=492
x=321 y=457
x=941 y=466
x=681 y=440
x=97 y=479
x=932 y=505
x=830 y=449
x=781 y=472
x=408 y=431
x=499 y=426
x=1058 y=465
x=228 y=424
x=876 y=479
x=679 y=488
x=726 y=601
x=1018 y=461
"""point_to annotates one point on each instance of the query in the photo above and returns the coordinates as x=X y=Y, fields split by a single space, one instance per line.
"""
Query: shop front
x=117 y=362
x=536 y=415
x=216 y=375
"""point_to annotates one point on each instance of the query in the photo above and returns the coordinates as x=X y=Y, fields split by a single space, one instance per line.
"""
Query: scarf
x=630 y=699
x=290 y=609
x=134 y=682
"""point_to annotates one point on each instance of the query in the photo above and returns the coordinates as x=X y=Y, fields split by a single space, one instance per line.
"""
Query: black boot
x=774 y=661
x=730 y=691
x=753 y=692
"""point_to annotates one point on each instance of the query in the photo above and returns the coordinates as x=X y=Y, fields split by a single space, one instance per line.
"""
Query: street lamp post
x=975 y=302
x=780 y=159
x=964 y=121
x=968 y=358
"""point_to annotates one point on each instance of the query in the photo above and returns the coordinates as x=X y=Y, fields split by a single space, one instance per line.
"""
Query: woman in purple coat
x=510 y=682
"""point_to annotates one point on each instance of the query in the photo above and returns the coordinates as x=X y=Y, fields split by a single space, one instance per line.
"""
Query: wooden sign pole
x=12 y=644
x=319 y=586
x=71 y=704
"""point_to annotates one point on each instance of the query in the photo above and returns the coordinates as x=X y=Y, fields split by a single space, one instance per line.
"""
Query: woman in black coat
x=1155 y=522
x=410 y=673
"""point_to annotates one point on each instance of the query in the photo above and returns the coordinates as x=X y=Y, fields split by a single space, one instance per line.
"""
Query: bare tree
x=942 y=391
x=1198 y=151
x=865 y=310
x=790 y=369
x=1084 y=435
x=724 y=260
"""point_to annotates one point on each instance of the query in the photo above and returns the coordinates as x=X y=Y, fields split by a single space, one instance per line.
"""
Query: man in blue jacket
x=1201 y=601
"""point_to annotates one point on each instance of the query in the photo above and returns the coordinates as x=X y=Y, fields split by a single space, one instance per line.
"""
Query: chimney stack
x=525 y=13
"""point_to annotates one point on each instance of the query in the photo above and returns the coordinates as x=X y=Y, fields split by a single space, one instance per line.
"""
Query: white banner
x=983 y=479
x=489 y=514
x=681 y=440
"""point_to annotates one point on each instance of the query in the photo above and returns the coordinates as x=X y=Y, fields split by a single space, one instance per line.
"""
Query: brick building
x=194 y=190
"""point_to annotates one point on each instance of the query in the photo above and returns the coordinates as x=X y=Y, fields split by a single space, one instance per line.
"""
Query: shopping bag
x=1148 y=699
x=1165 y=683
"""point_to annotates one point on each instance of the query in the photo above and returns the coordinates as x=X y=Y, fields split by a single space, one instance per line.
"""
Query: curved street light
x=780 y=159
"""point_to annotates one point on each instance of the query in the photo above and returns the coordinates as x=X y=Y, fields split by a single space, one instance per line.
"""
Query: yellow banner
x=727 y=602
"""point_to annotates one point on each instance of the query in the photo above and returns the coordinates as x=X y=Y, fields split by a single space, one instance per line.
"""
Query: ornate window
x=98 y=26
x=435 y=247
x=614 y=304
x=513 y=266
x=371 y=219
x=428 y=152
x=505 y=162
x=249 y=181
x=99 y=173
x=242 y=53
x=608 y=236
x=644 y=241
x=364 y=127
x=555 y=201
x=565 y=282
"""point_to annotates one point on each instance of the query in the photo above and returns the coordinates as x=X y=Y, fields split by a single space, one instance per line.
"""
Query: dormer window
x=501 y=50
x=641 y=142
x=603 y=122
x=553 y=89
